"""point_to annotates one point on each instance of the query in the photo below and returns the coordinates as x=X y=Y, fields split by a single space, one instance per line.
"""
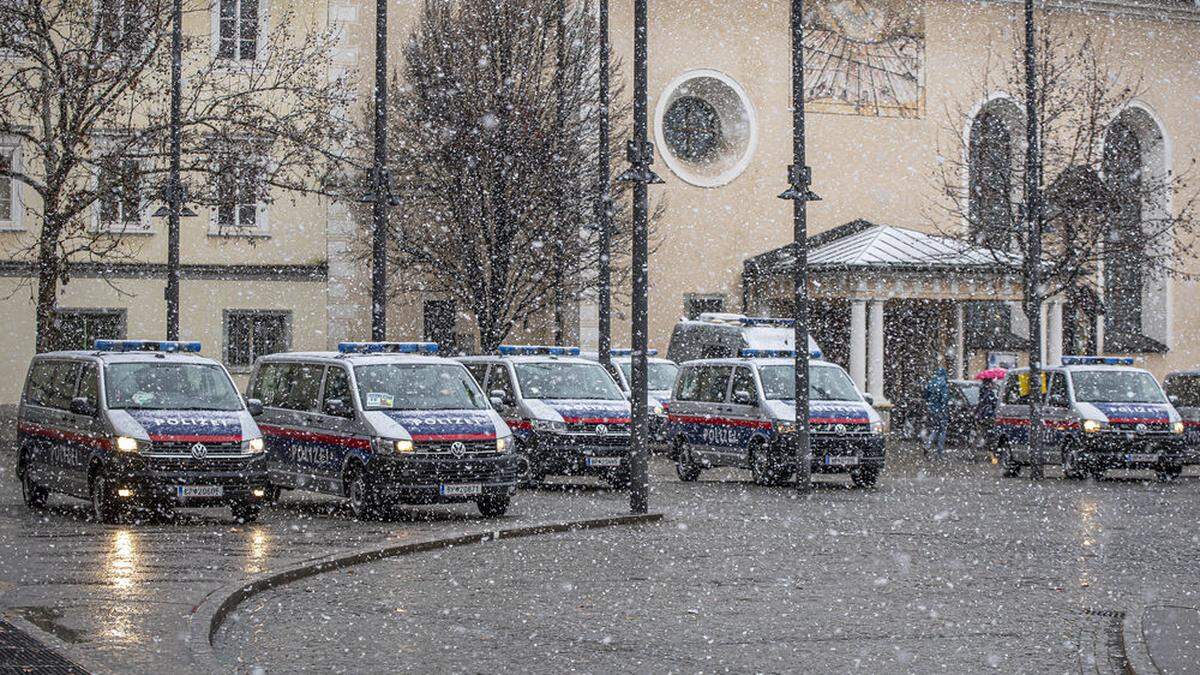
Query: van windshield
x=396 y=386
x=1116 y=386
x=659 y=376
x=567 y=381
x=169 y=386
x=825 y=383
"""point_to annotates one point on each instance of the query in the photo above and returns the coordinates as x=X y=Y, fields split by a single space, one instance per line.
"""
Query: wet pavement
x=946 y=568
x=122 y=594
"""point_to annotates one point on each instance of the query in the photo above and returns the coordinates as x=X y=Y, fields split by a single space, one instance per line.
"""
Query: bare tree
x=493 y=154
x=84 y=96
x=1099 y=211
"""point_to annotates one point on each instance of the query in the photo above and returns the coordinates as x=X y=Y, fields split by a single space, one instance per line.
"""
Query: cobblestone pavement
x=122 y=594
x=940 y=569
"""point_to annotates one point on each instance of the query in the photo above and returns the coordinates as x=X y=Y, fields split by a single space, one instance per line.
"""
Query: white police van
x=715 y=335
x=138 y=423
x=741 y=412
x=383 y=423
x=1100 y=413
x=660 y=378
x=567 y=414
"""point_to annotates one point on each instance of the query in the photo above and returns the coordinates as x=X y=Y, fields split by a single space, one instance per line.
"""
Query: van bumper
x=844 y=454
x=578 y=454
x=163 y=480
x=443 y=480
x=1120 y=451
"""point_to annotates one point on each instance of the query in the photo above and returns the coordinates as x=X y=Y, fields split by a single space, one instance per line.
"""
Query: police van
x=567 y=414
x=1183 y=391
x=714 y=335
x=382 y=423
x=741 y=413
x=1100 y=413
x=138 y=423
x=660 y=378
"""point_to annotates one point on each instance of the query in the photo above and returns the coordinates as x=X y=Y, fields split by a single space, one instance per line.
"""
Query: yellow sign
x=1023 y=383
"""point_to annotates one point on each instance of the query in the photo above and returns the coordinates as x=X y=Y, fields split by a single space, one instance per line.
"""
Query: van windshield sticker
x=380 y=400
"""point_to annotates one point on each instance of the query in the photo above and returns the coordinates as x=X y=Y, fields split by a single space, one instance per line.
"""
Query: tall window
x=238 y=195
x=8 y=186
x=80 y=328
x=1125 y=265
x=250 y=334
x=121 y=24
x=118 y=185
x=238 y=30
x=990 y=189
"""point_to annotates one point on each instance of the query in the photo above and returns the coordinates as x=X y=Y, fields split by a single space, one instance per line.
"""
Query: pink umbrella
x=991 y=374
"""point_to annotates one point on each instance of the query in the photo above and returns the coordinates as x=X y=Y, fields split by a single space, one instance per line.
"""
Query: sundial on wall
x=864 y=57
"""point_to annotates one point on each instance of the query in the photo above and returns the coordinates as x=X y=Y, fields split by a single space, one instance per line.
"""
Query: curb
x=1133 y=644
x=57 y=644
x=208 y=616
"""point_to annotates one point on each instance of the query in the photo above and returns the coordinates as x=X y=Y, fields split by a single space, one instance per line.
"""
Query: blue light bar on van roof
x=388 y=347
x=536 y=350
x=629 y=352
x=146 y=346
x=1097 y=360
x=776 y=354
x=766 y=321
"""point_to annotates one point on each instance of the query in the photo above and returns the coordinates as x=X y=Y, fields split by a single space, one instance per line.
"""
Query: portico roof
x=864 y=245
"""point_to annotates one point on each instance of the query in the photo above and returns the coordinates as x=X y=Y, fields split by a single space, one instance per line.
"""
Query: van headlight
x=1092 y=426
x=503 y=444
x=549 y=425
x=1177 y=428
x=254 y=446
x=658 y=410
x=125 y=444
x=404 y=447
x=877 y=427
x=784 y=427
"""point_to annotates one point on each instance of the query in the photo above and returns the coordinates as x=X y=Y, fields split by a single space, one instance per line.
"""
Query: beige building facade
x=885 y=79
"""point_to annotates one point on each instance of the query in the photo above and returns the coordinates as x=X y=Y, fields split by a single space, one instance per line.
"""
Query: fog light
x=124 y=493
x=258 y=492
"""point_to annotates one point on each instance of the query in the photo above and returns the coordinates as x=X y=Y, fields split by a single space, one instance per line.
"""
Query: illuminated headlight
x=1092 y=426
x=658 y=410
x=1177 y=428
x=785 y=427
x=254 y=446
x=549 y=425
x=877 y=427
x=126 y=444
x=503 y=444
x=404 y=447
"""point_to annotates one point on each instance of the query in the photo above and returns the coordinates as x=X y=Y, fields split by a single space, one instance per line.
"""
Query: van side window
x=478 y=371
x=1057 y=393
x=743 y=380
x=301 y=387
x=689 y=385
x=52 y=384
x=89 y=384
x=714 y=382
x=1012 y=391
x=268 y=385
x=500 y=380
x=337 y=386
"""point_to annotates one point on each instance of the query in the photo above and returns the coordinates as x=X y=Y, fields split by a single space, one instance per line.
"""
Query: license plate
x=603 y=461
x=1141 y=458
x=185 y=491
x=462 y=490
x=836 y=460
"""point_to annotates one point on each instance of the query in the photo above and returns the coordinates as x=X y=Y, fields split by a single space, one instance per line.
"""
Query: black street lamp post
x=173 y=191
x=603 y=212
x=1033 y=248
x=641 y=156
x=799 y=180
x=380 y=189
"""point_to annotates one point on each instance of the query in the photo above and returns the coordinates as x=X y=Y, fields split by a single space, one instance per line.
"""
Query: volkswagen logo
x=841 y=428
x=458 y=448
x=601 y=430
x=199 y=451
x=1141 y=428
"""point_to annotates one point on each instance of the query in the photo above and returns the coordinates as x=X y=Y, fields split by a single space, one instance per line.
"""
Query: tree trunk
x=47 y=289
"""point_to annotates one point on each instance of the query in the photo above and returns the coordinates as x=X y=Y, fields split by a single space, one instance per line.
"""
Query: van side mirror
x=336 y=407
x=743 y=397
x=82 y=406
x=869 y=399
x=500 y=399
x=254 y=407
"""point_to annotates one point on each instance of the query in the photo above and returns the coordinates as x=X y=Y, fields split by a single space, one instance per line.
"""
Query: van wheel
x=764 y=469
x=493 y=506
x=865 y=477
x=35 y=495
x=364 y=503
x=1072 y=468
x=685 y=467
x=104 y=504
x=274 y=493
x=527 y=475
x=1169 y=473
x=246 y=512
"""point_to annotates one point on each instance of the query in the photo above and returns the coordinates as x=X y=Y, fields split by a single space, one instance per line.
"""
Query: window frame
x=120 y=313
x=262 y=221
x=239 y=61
x=144 y=223
x=229 y=314
x=102 y=42
x=15 y=220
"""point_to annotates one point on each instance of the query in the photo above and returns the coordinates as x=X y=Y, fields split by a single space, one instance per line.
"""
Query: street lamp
x=1033 y=249
x=799 y=180
x=380 y=188
x=641 y=155
x=603 y=208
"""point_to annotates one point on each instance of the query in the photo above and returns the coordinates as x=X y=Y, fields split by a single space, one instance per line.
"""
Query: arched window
x=991 y=211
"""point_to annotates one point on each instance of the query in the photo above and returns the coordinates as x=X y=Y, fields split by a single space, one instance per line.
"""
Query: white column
x=960 y=341
x=858 y=343
x=1054 y=326
x=1043 y=311
x=875 y=352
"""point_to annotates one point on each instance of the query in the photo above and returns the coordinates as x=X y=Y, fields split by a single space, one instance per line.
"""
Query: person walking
x=985 y=413
x=937 y=411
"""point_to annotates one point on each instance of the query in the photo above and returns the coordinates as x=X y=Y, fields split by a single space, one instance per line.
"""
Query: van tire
x=246 y=512
x=493 y=506
x=1167 y=474
x=1072 y=468
x=1009 y=468
x=35 y=495
x=685 y=468
x=764 y=468
x=364 y=502
x=104 y=505
x=865 y=477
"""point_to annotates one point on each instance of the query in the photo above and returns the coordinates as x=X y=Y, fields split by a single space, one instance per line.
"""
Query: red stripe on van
x=315 y=437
